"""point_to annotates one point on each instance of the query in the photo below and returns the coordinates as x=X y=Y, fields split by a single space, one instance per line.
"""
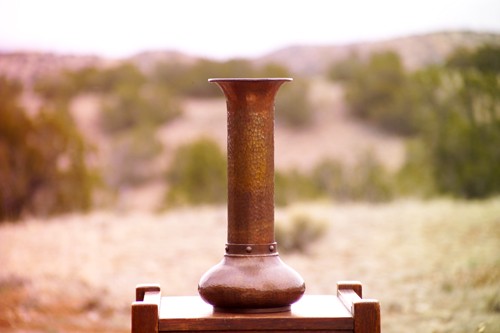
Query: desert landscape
x=434 y=264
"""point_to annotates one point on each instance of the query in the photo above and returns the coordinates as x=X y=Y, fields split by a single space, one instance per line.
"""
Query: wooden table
x=345 y=312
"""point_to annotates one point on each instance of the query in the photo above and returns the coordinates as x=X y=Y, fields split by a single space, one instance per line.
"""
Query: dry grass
x=434 y=266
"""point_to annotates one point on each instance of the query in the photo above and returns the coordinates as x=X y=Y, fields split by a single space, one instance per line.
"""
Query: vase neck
x=250 y=146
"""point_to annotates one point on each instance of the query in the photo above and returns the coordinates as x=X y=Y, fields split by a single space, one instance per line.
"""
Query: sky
x=223 y=29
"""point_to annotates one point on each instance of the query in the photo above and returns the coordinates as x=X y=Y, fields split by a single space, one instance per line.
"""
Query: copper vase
x=251 y=277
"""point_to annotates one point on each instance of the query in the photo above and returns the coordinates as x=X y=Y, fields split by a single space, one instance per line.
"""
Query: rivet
x=271 y=248
x=249 y=249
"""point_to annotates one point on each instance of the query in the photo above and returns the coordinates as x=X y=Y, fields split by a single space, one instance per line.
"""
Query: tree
x=293 y=107
x=42 y=160
x=198 y=174
x=345 y=70
x=460 y=128
x=483 y=59
x=379 y=93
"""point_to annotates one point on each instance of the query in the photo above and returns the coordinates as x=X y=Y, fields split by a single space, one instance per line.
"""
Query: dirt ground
x=434 y=266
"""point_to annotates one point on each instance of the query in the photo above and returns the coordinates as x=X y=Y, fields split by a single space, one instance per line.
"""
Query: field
x=434 y=265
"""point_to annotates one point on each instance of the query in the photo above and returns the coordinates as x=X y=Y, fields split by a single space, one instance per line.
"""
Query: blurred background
x=113 y=153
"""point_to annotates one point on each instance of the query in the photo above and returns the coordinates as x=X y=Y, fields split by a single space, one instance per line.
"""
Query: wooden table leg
x=366 y=312
x=145 y=310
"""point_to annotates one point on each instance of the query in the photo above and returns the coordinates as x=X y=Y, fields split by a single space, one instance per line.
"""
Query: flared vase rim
x=286 y=79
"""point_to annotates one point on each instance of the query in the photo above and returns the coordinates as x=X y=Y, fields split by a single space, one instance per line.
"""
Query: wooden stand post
x=346 y=312
x=146 y=309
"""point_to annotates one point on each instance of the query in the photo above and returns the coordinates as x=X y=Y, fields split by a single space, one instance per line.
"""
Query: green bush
x=293 y=107
x=55 y=89
x=370 y=181
x=131 y=102
x=131 y=158
x=416 y=176
x=191 y=80
x=453 y=113
x=130 y=107
x=459 y=124
x=133 y=107
x=272 y=70
x=42 y=160
x=493 y=302
x=345 y=70
x=366 y=181
x=68 y=84
x=299 y=234
x=461 y=131
x=380 y=93
x=332 y=180
x=483 y=59
x=132 y=111
x=105 y=81
x=293 y=186
x=198 y=175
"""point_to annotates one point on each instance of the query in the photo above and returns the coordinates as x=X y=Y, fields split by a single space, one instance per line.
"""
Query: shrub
x=131 y=158
x=345 y=70
x=416 y=176
x=198 y=175
x=367 y=181
x=370 y=181
x=130 y=101
x=55 y=89
x=379 y=93
x=68 y=84
x=493 y=302
x=460 y=129
x=292 y=187
x=332 y=180
x=299 y=234
x=133 y=107
x=485 y=59
x=191 y=80
x=105 y=81
x=42 y=160
x=272 y=70
x=292 y=105
x=454 y=110
x=132 y=111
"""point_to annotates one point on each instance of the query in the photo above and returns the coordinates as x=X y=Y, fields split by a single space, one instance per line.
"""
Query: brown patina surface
x=251 y=275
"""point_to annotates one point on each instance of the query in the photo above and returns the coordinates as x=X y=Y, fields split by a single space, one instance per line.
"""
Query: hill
x=415 y=51
x=334 y=134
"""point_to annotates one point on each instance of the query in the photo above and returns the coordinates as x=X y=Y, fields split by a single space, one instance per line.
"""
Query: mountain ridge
x=416 y=51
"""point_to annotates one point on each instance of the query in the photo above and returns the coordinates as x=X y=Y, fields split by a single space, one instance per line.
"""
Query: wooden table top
x=191 y=313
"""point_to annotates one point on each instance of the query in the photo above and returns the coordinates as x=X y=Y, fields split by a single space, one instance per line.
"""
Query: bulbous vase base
x=251 y=284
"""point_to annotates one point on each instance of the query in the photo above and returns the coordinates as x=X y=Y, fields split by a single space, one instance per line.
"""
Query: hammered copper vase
x=251 y=277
